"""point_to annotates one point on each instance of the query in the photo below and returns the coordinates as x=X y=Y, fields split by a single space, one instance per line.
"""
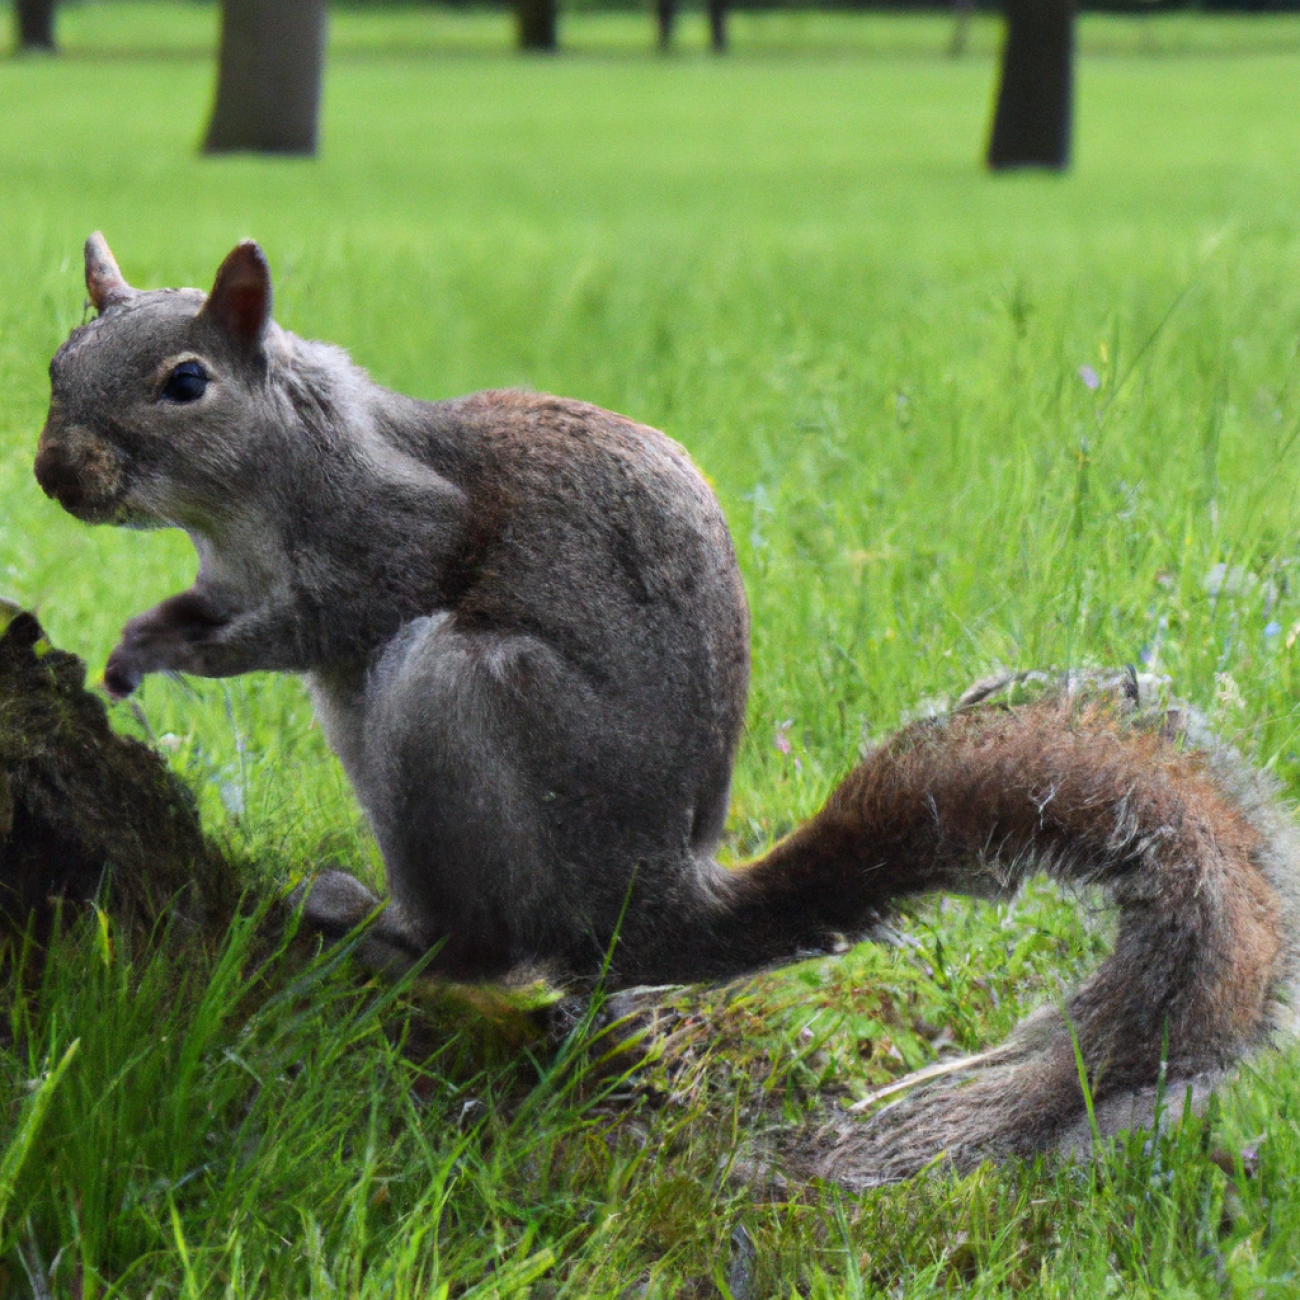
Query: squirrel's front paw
x=142 y=650
x=171 y=637
x=120 y=677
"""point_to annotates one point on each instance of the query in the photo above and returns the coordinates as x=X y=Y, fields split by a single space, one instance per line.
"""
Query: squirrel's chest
x=338 y=701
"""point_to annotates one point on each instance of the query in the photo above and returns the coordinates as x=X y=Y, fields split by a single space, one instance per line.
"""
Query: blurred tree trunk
x=269 y=77
x=1031 y=127
x=666 y=12
x=718 y=25
x=960 y=28
x=35 y=20
x=536 y=20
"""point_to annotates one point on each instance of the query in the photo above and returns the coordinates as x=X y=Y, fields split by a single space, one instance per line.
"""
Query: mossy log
x=87 y=814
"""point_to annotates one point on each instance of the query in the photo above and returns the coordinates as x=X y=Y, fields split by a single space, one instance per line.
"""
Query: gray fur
x=525 y=634
x=520 y=618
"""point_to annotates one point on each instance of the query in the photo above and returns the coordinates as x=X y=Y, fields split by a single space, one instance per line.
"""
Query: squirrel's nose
x=58 y=476
x=76 y=467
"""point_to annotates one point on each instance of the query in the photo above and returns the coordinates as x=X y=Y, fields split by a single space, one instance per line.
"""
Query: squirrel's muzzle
x=80 y=471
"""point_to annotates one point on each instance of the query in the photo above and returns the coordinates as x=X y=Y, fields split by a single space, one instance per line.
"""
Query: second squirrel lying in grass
x=524 y=630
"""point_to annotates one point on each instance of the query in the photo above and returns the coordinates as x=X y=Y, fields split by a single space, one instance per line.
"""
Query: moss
x=86 y=814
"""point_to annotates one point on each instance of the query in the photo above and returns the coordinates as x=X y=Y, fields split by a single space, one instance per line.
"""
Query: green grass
x=791 y=261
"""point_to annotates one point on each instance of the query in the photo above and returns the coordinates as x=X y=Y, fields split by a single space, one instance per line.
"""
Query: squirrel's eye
x=186 y=383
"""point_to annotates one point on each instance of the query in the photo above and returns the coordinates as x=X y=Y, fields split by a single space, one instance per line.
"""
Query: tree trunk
x=1031 y=127
x=718 y=25
x=961 y=28
x=666 y=12
x=269 y=78
x=35 y=19
x=536 y=21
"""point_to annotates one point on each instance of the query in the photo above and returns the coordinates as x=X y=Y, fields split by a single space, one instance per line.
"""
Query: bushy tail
x=1189 y=842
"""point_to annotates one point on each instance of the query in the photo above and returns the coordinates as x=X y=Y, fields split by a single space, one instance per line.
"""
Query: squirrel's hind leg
x=336 y=903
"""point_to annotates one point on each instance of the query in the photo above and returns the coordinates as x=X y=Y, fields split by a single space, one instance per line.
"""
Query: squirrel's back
x=597 y=533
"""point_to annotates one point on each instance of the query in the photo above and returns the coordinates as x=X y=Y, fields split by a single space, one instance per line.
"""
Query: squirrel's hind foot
x=335 y=904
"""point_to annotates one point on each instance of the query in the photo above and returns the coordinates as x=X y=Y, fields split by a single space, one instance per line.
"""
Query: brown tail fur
x=1190 y=843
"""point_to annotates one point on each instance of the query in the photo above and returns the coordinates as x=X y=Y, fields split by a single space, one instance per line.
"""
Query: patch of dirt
x=86 y=814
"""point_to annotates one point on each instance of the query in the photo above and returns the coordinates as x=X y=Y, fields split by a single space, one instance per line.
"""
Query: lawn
x=955 y=421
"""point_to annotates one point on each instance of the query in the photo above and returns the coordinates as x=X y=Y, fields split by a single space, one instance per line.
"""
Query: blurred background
x=982 y=320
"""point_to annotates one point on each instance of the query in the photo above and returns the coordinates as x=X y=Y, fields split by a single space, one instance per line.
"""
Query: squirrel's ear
x=104 y=281
x=240 y=301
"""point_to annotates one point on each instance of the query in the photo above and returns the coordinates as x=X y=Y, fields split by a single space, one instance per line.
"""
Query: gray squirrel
x=525 y=634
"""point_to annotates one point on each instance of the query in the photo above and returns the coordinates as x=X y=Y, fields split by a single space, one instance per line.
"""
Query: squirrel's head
x=150 y=401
